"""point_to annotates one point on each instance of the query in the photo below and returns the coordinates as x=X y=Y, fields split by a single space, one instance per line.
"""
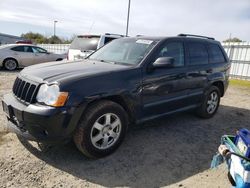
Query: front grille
x=25 y=91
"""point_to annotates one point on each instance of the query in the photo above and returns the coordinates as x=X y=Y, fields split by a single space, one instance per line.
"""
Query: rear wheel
x=210 y=104
x=102 y=129
x=10 y=64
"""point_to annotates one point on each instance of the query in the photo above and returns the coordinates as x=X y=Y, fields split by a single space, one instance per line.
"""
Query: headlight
x=51 y=95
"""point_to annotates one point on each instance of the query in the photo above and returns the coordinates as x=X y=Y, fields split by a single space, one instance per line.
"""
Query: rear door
x=198 y=69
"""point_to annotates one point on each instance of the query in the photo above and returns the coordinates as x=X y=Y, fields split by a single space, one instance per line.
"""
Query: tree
x=235 y=39
x=35 y=37
x=41 y=39
x=54 y=40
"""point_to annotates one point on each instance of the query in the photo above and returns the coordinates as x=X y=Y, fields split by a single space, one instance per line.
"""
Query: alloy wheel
x=106 y=131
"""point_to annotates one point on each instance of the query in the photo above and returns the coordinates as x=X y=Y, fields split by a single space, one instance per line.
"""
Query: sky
x=215 y=18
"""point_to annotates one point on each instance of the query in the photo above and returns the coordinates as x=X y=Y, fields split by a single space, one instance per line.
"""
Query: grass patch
x=242 y=83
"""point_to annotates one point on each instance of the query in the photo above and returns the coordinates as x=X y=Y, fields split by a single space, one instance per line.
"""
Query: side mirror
x=164 y=62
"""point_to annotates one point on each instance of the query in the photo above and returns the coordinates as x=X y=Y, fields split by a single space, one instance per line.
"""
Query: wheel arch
x=122 y=101
x=220 y=86
x=5 y=59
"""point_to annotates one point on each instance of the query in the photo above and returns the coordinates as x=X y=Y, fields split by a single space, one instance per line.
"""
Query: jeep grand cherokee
x=127 y=81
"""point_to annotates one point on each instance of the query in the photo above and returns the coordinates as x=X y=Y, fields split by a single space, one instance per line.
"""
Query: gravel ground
x=174 y=151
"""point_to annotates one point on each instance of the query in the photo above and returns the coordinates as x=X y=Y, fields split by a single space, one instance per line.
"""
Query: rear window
x=85 y=43
x=197 y=53
x=215 y=54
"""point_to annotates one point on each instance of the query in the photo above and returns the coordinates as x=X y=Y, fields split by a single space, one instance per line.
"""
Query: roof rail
x=199 y=36
x=114 y=34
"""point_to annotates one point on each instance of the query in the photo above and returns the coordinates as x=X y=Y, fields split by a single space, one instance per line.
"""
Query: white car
x=15 y=56
x=83 y=45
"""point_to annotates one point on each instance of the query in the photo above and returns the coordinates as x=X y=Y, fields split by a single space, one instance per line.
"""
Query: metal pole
x=128 y=17
x=55 y=27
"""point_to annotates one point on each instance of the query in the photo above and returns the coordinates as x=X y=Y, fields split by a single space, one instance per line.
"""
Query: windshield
x=85 y=43
x=124 y=51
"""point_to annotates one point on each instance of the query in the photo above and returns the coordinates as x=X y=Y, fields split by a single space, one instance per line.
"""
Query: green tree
x=39 y=38
x=235 y=39
x=35 y=37
x=54 y=40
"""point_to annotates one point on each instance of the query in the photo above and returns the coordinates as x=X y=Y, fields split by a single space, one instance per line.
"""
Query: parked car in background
x=84 y=45
x=24 y=42
x=127 y=81
x=15 y=56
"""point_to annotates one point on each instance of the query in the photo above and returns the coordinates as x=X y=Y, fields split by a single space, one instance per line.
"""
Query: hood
x=65 y=70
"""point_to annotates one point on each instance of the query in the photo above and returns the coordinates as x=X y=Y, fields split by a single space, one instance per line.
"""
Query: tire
x=10 y=64
x=101 y=130
x=210 y=104
x=59 y=59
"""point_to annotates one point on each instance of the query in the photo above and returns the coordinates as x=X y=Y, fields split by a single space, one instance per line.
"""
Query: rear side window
x=108 y=39
x=197 y=53
x=215 y=54
x=22 y=49
x=18 y=49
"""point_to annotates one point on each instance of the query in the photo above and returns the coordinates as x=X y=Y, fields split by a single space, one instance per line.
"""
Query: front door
x=164 y=89
x=40 y=55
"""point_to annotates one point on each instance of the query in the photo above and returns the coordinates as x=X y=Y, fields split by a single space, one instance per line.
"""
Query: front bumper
x=39 y=122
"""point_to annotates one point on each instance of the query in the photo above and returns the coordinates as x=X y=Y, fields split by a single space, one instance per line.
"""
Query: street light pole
x=55 y=27
x=128 y=17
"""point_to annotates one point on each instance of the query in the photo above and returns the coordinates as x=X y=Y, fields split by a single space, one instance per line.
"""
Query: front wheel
x=210 y=104
x=102 y=129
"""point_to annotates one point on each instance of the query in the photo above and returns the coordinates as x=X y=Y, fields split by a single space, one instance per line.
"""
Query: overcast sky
x=216 y=18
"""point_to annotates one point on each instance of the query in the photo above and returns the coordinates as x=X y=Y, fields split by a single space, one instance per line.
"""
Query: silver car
x=21 y=55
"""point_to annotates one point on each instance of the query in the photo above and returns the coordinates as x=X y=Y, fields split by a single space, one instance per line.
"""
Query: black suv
x=127 y=81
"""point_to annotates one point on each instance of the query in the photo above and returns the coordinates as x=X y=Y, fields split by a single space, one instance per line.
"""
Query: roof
x=12 y=45
x=191 y=37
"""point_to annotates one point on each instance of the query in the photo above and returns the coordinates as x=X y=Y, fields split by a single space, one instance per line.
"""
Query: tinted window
x=85 y=43
x=108 y=39
x=174 y=50
x=18 y=49
x=27 y=49
x=22 y=49
x=215 y=54
x=197 y=53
